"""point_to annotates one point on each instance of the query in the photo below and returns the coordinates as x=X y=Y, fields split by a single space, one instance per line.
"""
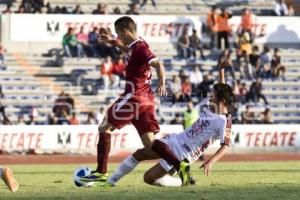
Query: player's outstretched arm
x=114 y=42
x=160 y=71
x=225 y=63
x=207 y=165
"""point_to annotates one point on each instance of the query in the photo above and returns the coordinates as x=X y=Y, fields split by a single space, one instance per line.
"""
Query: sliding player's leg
x=164 y=150
x=159 y=176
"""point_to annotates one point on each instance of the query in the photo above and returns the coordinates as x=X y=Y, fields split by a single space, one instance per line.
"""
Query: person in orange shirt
x=212 y=25
x=247 y=23
x=223 y=28
x=73 y=120
x=106 y=71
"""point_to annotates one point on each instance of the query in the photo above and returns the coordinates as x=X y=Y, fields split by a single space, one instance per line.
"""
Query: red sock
x=103 y=149
x=166 y=153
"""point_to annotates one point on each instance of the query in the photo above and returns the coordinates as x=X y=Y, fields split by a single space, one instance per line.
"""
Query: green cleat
x=104 y=184
x=95 y=177
x=184 y=173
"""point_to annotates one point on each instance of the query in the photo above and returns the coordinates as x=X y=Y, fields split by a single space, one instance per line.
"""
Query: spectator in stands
x=196 y=77
x=154 y=3
x=64 y=10
x=244 y=49
x=117 y=11
x=8 y=9
x=177 y=119
x=248 y=116
x=247 y=23
x=186 y=89
x=204 y=87
x=57 y=10
x=183 y=45
x=93 y=42
x=91 y=119
x=2 y=108
x=20 y=10
x=266 y=117
x=290 y=8
x=254 y=61
x=63 y=104
x=2 y=50
x=33 y=115
x=280 y=8
x=119 y=67
x=106 y=71
x=244 y=44
x=223 y=28
x=277 y=68
x=50 y=9
x=175 y=87
x=212 y=18
x=195 y=44
x=51 y=119
x=69 y=101
x=190 y=115
x=82 y=39
x=101 y=10
x=242 y=93
x=265 y=67
x=133 y=9
x=226 y=55
x=73 y=120
x=182 y=74
x=100 y=115
x=77 y=10
x=70 y=44
x=6 y=121
x=255 y=92
x=63 y=118
x=118 y=71
x=20 y=120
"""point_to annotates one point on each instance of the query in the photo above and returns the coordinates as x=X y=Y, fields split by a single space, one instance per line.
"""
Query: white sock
x=124 y=168
x=168 y=180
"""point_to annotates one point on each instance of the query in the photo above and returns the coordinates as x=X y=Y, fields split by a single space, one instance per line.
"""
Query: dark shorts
x=140 y=111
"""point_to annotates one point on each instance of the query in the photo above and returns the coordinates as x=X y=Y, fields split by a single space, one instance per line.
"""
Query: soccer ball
x=80 y=172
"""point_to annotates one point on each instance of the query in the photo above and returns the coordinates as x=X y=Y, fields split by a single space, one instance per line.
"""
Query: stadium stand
x=186 y=7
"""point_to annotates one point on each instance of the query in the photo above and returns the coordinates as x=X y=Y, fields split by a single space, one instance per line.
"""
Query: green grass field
x=247 y=180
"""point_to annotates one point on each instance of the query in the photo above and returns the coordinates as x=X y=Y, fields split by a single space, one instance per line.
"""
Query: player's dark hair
x=224 y=92
x=125 y=23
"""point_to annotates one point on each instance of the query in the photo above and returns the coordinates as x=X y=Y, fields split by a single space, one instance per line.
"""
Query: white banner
x=84 y=139
x=70 y=139
x=51 y=28
x=158 y=29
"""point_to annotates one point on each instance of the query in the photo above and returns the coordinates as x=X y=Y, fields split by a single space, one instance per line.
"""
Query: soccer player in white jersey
x=180 y=150
x=7 y=176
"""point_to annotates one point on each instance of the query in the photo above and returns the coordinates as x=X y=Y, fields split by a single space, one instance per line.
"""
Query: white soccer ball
x=80 y=172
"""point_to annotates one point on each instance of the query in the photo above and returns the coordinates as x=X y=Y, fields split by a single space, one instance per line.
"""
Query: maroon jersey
x=138 y=71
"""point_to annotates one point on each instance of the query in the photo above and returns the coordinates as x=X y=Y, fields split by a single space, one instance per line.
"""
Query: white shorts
x=176 y=148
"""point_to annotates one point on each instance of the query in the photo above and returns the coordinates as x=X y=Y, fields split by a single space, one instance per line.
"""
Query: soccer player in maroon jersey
x=136 y=104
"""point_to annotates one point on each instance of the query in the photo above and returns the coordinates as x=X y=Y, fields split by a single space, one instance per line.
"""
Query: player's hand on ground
x=226 y=62
x=207 y=167
x=162 y=91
